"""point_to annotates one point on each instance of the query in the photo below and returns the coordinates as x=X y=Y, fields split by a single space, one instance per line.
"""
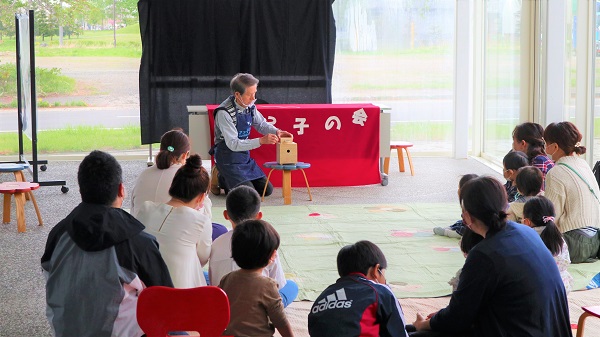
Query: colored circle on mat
x=446 y=249
x=322 y=215
x=315 y=236
x=402 y=234
x=385 y=208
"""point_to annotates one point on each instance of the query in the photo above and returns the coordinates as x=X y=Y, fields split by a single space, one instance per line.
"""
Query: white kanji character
x=271 y=120
x=331 y=121
x=359 y=117
x=301 y=125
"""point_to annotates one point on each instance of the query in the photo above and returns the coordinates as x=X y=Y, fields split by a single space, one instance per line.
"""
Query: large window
x=399 y=54
x=502 y=75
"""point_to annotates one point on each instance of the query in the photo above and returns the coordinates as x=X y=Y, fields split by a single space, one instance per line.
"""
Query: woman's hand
x=422 y=323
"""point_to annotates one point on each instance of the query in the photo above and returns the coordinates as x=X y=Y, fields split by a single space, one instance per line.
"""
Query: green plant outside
x=91 y=43
x=48 y=81
x=76 y=139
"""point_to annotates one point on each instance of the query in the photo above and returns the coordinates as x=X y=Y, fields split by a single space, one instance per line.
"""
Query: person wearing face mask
x=572 y=188
x=233 y=120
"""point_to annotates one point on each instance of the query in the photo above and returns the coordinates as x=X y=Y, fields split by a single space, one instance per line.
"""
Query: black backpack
x=596 y=171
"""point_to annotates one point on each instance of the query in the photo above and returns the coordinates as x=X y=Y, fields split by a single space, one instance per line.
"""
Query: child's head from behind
x=529 y=180
x=538 y=211
x=242 y=203
x=513 y=161
x=359 y=257
x=253 y=244
x=464 y=179
x=469 y=240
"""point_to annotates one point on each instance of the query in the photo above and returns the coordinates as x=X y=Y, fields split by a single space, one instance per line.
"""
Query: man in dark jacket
x=98 y=259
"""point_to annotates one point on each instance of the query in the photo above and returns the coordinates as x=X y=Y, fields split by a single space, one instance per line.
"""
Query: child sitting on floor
x=359 y=303
x=529 y=182
x=243 y=203
x=467 y=242
x=456 y=230
x=513 y=161
x=538 y=212
x=255 y=304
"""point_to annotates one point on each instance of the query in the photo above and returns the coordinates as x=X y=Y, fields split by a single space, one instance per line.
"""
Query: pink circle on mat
x=314 y=214
x=402 y=234
x=446 y=249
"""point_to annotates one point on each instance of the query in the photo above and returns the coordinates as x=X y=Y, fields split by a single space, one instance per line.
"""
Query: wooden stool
x=19 y=189
x=17 y=170
x=286 y=184
x=587 y=311
x=399 y=146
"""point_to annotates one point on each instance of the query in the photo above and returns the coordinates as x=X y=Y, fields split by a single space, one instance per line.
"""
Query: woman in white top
x=184 y=233
x=572 y=188
x=153 y=183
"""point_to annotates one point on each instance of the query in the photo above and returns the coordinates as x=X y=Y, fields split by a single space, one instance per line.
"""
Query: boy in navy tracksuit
x=359 y=303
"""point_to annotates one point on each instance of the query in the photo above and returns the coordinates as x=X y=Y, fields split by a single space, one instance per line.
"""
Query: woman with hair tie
x=572 y=188
x=509 y=285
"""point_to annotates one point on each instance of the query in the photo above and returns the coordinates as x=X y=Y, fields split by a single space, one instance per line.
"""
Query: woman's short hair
x=241 y=81
x=359 y=257
x=99 y=176
x=566 y=136
x=242 y=203
x=253 y=242
x=173 y=144
x=529 y=180
x=485 y=199
x=190 y=180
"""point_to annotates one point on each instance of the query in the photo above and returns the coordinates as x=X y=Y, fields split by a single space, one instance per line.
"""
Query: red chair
x=587 y=311
x=163 y=309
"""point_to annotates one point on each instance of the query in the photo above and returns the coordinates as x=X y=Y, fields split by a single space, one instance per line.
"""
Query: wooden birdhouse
x=287 y=151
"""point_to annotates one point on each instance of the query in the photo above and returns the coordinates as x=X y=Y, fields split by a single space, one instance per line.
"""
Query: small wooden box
x=287 y=151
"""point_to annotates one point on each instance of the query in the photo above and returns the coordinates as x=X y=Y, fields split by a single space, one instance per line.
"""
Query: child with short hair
x=538 y=213
x=243 y=203
x=529 y=182
x=359 y=303
x=513 y=161
x=456 y=230
x=255 y=304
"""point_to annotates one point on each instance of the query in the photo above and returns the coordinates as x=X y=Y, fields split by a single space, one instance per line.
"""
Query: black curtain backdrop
x=192 y=48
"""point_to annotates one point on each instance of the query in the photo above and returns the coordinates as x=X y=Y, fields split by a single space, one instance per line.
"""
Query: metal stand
x=35 y=162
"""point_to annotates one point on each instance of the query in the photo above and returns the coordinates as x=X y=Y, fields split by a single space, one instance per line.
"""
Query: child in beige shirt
x=254 y=300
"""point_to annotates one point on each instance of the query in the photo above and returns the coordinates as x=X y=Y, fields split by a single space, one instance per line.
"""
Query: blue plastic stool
x=16 y=169
x=286 y=185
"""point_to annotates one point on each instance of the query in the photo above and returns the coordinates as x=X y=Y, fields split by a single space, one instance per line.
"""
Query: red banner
x=340 y=141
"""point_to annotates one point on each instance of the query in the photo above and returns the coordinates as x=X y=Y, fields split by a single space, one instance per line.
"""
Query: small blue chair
x=14 y=168
x=286 y=184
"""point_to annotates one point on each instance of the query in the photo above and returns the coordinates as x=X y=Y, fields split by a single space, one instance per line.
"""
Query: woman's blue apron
x=236 y=167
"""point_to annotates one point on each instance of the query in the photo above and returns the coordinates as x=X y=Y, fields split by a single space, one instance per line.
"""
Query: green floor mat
x=420 y=264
